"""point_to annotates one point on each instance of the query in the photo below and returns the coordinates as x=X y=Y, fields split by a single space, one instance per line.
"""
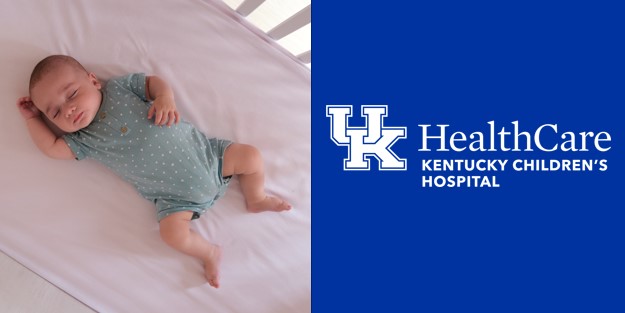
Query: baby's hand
x=27 y=108
x=164 y=111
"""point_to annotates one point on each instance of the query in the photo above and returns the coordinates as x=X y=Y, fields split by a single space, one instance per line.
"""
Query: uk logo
x=372 y=140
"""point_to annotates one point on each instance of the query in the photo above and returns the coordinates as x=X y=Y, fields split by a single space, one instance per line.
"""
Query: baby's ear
x=95 y=81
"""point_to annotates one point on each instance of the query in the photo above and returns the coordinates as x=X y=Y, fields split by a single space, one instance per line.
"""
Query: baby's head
x=65 y=92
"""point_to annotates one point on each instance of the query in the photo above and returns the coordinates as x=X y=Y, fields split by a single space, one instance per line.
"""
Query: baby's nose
x=70 y=110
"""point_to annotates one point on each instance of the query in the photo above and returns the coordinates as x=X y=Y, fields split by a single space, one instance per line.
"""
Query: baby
x=120 y=124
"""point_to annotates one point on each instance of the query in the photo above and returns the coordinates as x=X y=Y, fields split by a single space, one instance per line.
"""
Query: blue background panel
x=543 y=241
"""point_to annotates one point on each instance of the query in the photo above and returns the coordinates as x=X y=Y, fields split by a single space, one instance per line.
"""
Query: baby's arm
x=44 y=138
x=163 y=108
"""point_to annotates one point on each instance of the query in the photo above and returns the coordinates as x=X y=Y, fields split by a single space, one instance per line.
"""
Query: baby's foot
x=269 y=204
x=211 y=266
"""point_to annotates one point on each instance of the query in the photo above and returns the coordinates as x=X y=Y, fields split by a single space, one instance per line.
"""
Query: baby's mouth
x=78 y=117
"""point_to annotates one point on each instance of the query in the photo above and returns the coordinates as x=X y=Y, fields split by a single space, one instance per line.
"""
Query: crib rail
x=248 y=6
x=285 y=28
x=293 y=23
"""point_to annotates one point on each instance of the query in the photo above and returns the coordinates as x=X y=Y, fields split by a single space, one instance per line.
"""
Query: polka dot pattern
x=177 y=167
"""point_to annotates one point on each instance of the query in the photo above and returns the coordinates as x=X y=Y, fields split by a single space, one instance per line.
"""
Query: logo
x=372 y=140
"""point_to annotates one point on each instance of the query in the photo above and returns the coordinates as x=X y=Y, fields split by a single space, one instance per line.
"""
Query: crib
x=77 y=234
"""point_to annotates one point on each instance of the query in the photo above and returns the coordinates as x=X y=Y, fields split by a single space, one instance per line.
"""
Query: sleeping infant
x=120 y=124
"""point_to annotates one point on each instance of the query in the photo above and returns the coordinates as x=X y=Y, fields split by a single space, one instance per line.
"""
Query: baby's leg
x=176 y=232
x=246 y=162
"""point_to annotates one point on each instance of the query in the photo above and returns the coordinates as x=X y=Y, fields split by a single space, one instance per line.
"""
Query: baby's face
x=69 y=97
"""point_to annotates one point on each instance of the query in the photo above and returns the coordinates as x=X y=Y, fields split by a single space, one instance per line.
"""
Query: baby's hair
x=49 y=64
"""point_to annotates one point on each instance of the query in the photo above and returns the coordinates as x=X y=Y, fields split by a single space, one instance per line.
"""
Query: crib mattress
x=91 y=234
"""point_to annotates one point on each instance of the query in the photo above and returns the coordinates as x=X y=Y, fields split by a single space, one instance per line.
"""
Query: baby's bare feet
x=211 y=266
x=269 y=204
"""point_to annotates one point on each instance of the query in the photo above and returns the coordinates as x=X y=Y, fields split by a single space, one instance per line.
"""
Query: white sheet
x=80 y=227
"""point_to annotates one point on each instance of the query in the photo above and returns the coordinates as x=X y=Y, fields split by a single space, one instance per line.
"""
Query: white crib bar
x=288 y=26
x=248 y=6
x=304 y=57
x=293 y=23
